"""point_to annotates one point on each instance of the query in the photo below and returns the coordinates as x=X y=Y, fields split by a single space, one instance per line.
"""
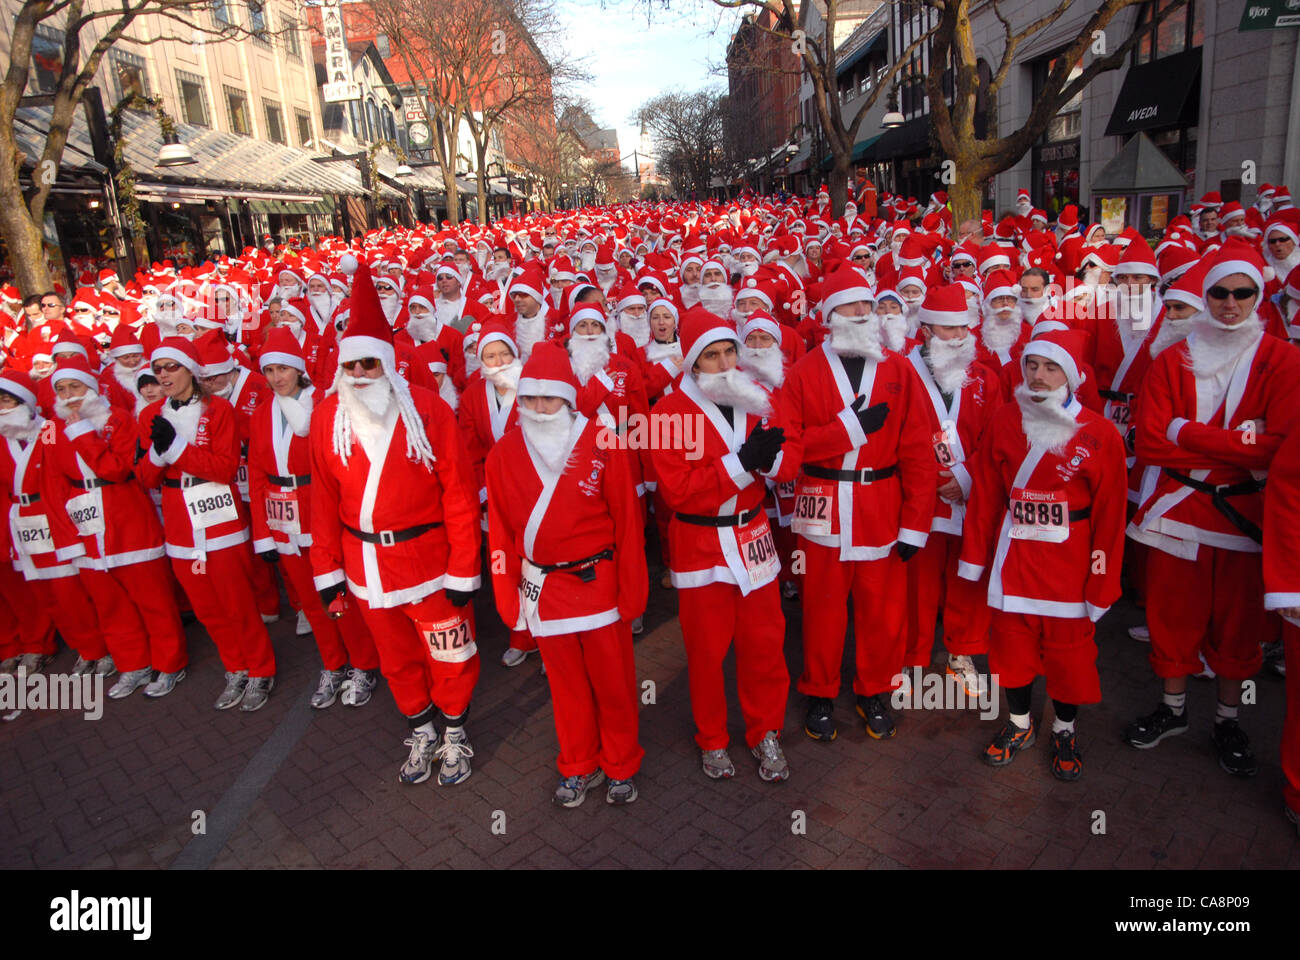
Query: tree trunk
x=965 y=196
x=838 y=182
x=23 y=240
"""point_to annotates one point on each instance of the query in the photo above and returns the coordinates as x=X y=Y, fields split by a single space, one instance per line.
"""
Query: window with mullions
x=194 y=99
x=223 y=13
x=237 y=112
x=1184 y=29
x=274 y=122
x=257 y=22
x=47 y=59
x=292 y=45
x=1068 y=122
x=128 y=73
x=304 y=127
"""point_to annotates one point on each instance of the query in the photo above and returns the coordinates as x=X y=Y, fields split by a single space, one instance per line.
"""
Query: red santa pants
x=1025 y=646
x=594 y=697
x=416 y=679
x=785 y=541
x=69 y=606
x=138 y=615
x=711 y=617
x=1213 y=604
x=879 y=591
x=30 y=626
x=933 y=585
x=1291 y=724
x=266 y=589
x=220 y=589
x=340 y=642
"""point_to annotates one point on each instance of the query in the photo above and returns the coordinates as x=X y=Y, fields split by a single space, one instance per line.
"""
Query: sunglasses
x=166 y=367
x=1240 y=293
x=48 y=305
x=365 y=363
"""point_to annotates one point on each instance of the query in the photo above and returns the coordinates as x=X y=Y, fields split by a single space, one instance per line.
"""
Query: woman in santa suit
x=194 y=456
x=109 y=529
x=662 y=361
x=279 y=475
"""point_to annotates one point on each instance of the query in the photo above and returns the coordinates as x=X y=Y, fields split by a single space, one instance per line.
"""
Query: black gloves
x=162 y=433
x=872 y=418
x=270 y=556
x=330 y=594
x=459 y=598
x=905 y=551
x=759 y=451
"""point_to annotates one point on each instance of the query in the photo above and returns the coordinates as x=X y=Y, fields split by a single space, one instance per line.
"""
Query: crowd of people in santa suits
x=978 y=430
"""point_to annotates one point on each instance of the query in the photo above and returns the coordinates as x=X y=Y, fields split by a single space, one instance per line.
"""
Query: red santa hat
x=1064 y=348
x=841 y=287
x=945 y=306
x=587 y=311
x=761 y=320
x=1068 y=218
x=668 y=305
x=699 y=328
x=74 y=367
x=1174 y=260
x=367 y=333
x=180 y=350
x=496 y=331
x=1235 y=256
x=549 y=373
x=66 y=343
x=993 y=258
x=530 y=282
x=214 y=354
x=1187 y=288
x=18 y=384
x=123 y=343
x=1138 y=258
x=282 y=347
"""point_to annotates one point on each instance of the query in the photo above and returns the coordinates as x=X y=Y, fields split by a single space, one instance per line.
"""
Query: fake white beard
x=322 y=304
x=18 y=423
x=1171 y=331
x=93 y=408
x=291 y=292
x=716 y=298
x=472 y=362
x=894 y=329
x=447 y=390
x=748 y=268
x=449 y=310
x=1031 y=307
x=690 y=294
x=857 y=336
x=506 y=375
x=126 y=378
x=297 y=411
x=605 y=276
x=422 y=328
x=735 y=388
x=587 y=261
x=548 y=434
x=1001 y=333
x=368 y=403
x=1214 y=347
x=528 y=332
x=391 y=306
x=656 y=351
x=1284 y=266
x=185 y=420
x=1024 y=209
x=1092 y=277
x=765 y=363
x=1047 y=423
x=948 y=361
x=590 y=354
x=500 y=271
x=638 y=328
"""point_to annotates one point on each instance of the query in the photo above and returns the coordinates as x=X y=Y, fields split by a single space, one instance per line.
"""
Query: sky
x=631 y=60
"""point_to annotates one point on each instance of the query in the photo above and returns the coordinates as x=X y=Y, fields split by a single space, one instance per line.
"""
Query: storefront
x=1139 y=188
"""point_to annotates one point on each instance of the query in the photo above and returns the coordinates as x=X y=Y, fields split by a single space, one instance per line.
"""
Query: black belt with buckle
x=190 y=482
x=585 y=568
x=1077 y=515
x=850 y=476
x=94 y=483
x=386 y=538
x=291 y=482
x=27 y=499
x=729 y=520
x=1115 y=396
x=1218 y=494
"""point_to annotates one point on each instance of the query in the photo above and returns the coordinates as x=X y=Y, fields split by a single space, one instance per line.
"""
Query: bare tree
x=690 y=137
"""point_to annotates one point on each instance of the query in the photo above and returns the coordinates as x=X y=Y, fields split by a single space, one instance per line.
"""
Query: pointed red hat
x=945 y=306
x=18 y=384
x=282 y=346
x=549 y=373
x=74 y=367
x=367 y=333
x=699 y=328
x=179 y=349
x=214 y=354
x=1062 y=347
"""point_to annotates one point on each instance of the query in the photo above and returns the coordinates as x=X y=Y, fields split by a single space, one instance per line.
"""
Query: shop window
x=194 y=99
x=1184 y=29
x=237 y=112
x=274 y=122
x=129 y=74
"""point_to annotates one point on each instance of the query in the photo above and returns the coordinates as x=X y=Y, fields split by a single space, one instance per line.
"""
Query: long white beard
x=590 y=354
x=500 y=271
x=690 y=294
x=93 y=408
x=422 y=328
x=372 y=400
x=857 y=337
x=449 y=310
x=1133 y=314
x=447 y=390
x=948 y=361
x=1284 y=266
x=656 y=351
x=765 y=363
x=1171 y=332
x=185 y=420
x=391 y=306
x=529 y=331
x=605 y=276
x=638 y=328
x=506 y=375
x=894 y=328
x=735 y=388
x=1214 y=348
x=1031 y=307
x=322 y=305
x=1001 y=333
x=548 y=434
x=18 y=423
x=716 y=298
x=1046 y=424
x=126 y=378
x=297 y=411
x=1024 y=209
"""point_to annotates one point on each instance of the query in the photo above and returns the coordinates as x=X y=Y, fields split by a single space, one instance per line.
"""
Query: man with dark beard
x=1215 y=409
x=718 y=435
x=864 y=501
x=963 y=394
x=564 y=516
x=1045 y=523
x=395 y=523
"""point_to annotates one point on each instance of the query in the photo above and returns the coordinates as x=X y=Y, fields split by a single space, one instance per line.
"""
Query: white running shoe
x=1140 y=633
x=328 y=688
x=419 y=765
x=455 y=753
x=358 y=687
x=82 y=666
x=129 y=682
x=164 y=684
x=105 y=667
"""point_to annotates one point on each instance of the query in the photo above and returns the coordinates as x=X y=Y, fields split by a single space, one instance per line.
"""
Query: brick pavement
x=121 y=791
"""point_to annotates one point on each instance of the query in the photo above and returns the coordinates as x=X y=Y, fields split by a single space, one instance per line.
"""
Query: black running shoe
x=1233 y=747
x=820 y=721
x=1009 y=741
x=1145 y=732
x=1067 y=764
x=880 y=725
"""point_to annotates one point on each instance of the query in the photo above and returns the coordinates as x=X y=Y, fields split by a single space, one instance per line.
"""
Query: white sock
x=1062 y=726
x=1225 y=712
x=1021 y=720
x=1176 y=702
x=428 y=729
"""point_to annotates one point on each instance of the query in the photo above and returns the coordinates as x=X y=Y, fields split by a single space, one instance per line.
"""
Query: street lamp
x=892 y=118
x=403 y=170
x=174 y=153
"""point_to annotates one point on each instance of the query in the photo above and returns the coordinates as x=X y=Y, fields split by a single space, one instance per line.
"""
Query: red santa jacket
x=1049 y=526
x=449 y=348
x=1208 y=446
x=281 y=506
x=206 y=464
x=550 y=518
x=393 y=495
x=617 y=397
x=249 y=390
x=484 y=419
x=863 y=520
x=119 y=522
x=29 y=530
x=702 y=476
x=1282 y=528
x=955 y=432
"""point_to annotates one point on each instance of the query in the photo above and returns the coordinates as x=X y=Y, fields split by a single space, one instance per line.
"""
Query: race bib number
x=758 y=551
x=87 y=512
x=210 y=504
x=32 y=535
x=282 y=511
x=531 y=580
x=785 y=490
x=1119 y=413
x=241 y=481
x=812 y=509
x=943 y=450
x=1042 y=515
x=450 y=640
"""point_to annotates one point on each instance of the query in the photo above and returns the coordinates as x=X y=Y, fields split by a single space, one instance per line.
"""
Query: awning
x=877 y=41
x=1158 y=94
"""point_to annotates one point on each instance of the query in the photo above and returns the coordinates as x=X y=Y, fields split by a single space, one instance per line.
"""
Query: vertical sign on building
x=339 y=82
